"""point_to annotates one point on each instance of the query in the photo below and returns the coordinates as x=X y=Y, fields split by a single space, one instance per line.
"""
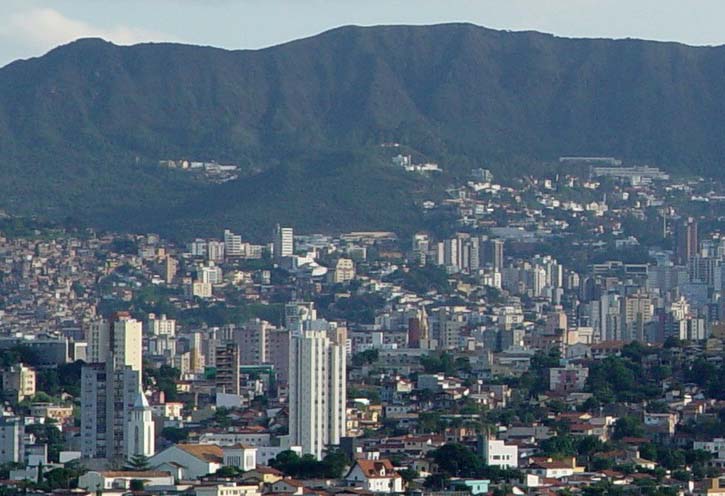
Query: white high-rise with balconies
x=316 y=391
x=110 y=385
x=284 y=242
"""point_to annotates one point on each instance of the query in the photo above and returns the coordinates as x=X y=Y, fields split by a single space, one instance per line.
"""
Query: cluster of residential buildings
x=350 y=364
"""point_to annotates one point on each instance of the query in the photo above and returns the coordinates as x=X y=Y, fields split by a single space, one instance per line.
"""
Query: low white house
x=189 y=461
x=378 y=476
x=550 y=468
x=107 y=480
x=500 y=454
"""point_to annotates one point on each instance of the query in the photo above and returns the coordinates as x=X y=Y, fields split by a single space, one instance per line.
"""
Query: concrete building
x=119 y=338
x=344 y=271
x=498 y=453
x=161 y=326
x=215 y=251
x=317 y=391
x=686 y=240
x=232 y=244
x=19 y=382
x=569 y=378
x=227 y=369
x=284 y=242
x=12 y=444
x=261 y=343
x=110 y=386
x=171 y=267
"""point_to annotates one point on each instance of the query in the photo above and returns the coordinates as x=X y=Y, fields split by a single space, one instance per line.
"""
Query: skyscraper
x=495 y=253
x=171 y=266
x=316 y=391
x=284 y=242
x=110 y=386
x=119 y=338
x=232 y=244
x=12 y=444
x=227 y=369
x=686 y=240
x=261 y=343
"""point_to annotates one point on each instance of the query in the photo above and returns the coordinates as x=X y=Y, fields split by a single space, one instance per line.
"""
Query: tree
x=48 y=434
x=137 y=463
x=136 y=485
x=335 y=463
x=60 y=478
x=628 y=426
x=228 y=471
x=456 y=460
x=365 y=357
x=409 y=474
x=174 y=434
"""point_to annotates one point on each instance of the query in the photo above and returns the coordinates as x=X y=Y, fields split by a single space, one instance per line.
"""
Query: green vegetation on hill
x=83 y=127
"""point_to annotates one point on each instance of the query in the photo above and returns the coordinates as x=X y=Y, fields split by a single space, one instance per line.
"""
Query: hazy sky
x=32 y=27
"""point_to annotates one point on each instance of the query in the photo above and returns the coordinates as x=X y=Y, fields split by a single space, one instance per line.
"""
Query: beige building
x=19 y=382
x=344 y=271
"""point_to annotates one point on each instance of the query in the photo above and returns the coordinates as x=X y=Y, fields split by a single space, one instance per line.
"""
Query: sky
x=29 y=28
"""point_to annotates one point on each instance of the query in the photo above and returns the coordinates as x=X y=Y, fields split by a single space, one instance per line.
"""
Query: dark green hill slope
x=76 y=123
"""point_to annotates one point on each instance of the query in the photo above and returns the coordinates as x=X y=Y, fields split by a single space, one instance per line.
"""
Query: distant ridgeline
x=301 y=119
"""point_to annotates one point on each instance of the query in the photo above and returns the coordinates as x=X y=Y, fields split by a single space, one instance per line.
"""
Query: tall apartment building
x=227 y=369
x=317 y=370
x=494 y=251
x=344 y=271
x=171 y=267
x=686 y=240
x=119 y=338
x=232 y=244
x=19 y=382
x=198 y=247
x=12 y=444
x=261 y=343
x=110 y=386
x=215 y=251
x=108 y=394
x=284 y=242
x=211 y=274
x=94 y=417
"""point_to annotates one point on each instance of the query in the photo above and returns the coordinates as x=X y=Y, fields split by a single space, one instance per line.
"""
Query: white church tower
x=141 y=435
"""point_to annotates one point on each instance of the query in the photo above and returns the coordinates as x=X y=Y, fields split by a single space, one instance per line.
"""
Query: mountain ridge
x=79 y=120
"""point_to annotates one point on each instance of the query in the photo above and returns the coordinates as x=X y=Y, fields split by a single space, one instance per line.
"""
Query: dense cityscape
x=552 y=334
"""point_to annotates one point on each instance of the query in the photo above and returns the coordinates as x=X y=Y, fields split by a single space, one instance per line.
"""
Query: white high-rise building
x=215 y=251
x=140 y=435
x=99 y=341
x=317 y=391
x=284 y=242
x=120 y=338
x=110 y=385
x=232 y=244
x=127 y=343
